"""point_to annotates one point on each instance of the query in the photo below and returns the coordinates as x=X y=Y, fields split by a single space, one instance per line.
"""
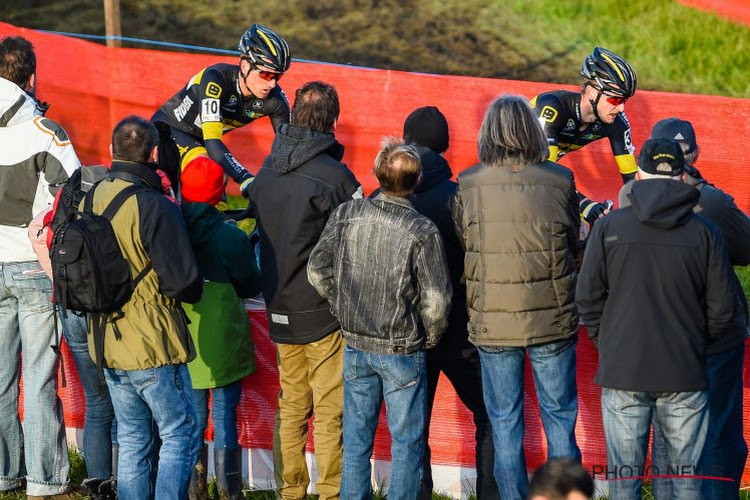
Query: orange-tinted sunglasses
x=268 y=75
x=615 y=101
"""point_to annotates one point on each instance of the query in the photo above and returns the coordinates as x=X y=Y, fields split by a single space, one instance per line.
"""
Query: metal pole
x=112 y=21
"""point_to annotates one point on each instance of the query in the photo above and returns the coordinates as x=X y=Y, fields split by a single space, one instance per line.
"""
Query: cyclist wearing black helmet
x=223 y=97
x=573 y=119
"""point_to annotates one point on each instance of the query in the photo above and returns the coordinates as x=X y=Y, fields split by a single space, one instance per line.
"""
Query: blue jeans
x=223 y=414
x=401 y=380
x=99 y=427
x=164 y=394
x=27 y=328
x=554 y=368
x=683 y=419
x=725 y=451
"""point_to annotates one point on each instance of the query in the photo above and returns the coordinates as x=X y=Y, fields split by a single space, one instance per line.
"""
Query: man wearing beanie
x=427 y=130
x=218 y=324
x=725 y=451
x=655 y=286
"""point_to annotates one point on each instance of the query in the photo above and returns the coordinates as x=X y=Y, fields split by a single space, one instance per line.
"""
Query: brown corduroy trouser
x=310 y=376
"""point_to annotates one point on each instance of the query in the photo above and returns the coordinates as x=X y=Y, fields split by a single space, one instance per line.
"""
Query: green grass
x=672 y=47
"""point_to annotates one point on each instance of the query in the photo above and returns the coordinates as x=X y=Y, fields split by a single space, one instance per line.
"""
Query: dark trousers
x=466 y=378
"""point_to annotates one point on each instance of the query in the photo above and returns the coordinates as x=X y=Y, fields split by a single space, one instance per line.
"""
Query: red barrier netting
x=737 y=11
x=452 y=429
x=90 y=87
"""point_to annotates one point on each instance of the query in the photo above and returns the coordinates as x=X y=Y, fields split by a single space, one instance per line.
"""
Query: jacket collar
x=137 y=173
x=396 y=200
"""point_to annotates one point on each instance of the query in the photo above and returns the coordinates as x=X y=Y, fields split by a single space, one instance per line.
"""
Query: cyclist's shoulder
x=619 y=125
x=557 y=99
x=278 y=98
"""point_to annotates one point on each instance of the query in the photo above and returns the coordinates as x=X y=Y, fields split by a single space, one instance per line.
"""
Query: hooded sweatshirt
x=218 y=322
x=298 y=186
x=36 y=158
x=655 y=286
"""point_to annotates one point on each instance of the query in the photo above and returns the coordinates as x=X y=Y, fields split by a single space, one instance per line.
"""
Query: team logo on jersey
x=257 y=104
x=213 y=89
x=182 y=110
x=570 y=125
x=548 y=113
x=232 y=101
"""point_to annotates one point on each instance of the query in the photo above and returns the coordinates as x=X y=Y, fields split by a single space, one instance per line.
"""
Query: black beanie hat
x=427 y=127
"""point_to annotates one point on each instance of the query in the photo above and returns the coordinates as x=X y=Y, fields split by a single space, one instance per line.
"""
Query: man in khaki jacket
x=147 y=344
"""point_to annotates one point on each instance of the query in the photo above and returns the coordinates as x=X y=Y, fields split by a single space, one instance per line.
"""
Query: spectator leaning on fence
x=36 y=157
x=381 y=266
x=427 y=130
x=655 y=285
x=146 y=346
x=517 y=215
x=298 y=186
x=218 y=325
x=725 y=451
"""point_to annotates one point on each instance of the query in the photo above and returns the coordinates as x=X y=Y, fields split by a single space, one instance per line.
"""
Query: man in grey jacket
x=382 y=267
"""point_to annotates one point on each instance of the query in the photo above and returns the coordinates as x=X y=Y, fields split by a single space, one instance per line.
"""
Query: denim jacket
x=382 y=267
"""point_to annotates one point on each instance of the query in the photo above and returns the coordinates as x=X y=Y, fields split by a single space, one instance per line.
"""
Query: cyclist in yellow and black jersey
x=571 y=120
x=223 y=97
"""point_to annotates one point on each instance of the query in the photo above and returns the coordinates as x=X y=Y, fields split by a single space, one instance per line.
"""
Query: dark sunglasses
x=268 y=75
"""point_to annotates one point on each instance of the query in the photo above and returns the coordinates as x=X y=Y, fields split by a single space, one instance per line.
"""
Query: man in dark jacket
x=655 y=285
x=298 y=186
x=725 y=451
x=382 y=268
x=427 y=130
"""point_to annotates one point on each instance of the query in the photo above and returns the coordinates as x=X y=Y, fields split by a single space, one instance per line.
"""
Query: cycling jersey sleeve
x=548 y=108
x=280 y=113
x=211 y=95
x=621 y=142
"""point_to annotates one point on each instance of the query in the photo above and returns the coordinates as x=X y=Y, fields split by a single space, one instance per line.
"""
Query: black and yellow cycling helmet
x=610 y=73
x=264 y=47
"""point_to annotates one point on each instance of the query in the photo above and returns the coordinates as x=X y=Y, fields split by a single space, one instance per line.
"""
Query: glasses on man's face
x=268 y=75
x=615 y=101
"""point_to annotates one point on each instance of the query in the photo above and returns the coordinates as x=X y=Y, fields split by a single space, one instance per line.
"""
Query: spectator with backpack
x=218 y=324
x=36 y=158
x=144 y=344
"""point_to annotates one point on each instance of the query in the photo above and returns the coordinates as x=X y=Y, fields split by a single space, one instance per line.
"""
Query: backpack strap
x=116 y=202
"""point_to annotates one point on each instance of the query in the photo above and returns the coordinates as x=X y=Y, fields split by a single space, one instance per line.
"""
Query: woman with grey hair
x=517 y=215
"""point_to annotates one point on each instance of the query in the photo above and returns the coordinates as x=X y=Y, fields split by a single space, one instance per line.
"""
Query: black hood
x=294 y=146
x=435 y=169
x=663 y=203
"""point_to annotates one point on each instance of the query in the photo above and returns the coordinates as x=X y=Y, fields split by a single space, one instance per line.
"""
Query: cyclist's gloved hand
x=245 y=187
x=591 y=210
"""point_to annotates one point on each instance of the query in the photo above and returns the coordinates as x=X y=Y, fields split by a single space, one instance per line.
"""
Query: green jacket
x=218 y=322
x=152 y=331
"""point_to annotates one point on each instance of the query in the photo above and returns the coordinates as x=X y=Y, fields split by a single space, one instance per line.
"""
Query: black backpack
x=89 y=272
